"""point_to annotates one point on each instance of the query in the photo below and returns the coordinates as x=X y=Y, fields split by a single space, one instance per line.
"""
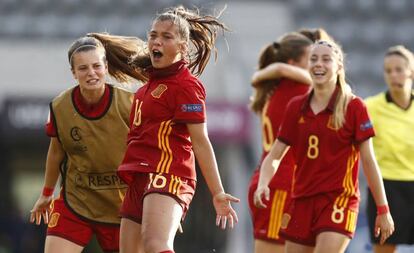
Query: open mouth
x=156 y=54
x=319 y=73
x=92 y=81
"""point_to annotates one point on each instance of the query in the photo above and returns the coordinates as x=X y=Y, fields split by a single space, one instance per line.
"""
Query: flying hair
x=199 y=30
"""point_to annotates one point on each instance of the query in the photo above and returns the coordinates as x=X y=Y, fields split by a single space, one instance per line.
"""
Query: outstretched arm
x=42 y=206
x=384 y=225
x=208 y=165
x=278 y=70
x=267 y=171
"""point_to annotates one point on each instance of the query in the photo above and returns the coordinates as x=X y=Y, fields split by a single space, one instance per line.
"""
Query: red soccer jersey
x=159 y=140
x=271 y=119
x=327 y=158
x=84 y=109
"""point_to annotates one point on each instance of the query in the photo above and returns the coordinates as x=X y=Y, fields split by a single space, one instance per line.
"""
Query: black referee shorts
x=400 y=195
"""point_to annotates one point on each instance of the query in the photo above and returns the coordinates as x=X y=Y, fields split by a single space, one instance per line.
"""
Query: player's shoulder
x=356 y=102
x=185 y=78
x=66 y=92
x=63 y=95
x=186 y=81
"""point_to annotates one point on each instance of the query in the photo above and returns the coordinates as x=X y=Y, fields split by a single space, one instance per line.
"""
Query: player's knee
x=153 y=244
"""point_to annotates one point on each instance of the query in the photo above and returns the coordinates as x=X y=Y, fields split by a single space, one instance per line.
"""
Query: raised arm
x=42 y=207
x=384 y=225
x=278 y=70
x=267 y=171
x=208 y=165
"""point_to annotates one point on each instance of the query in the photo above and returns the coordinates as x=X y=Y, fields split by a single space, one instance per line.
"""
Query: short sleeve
x=363 y=126
x=50 y=126
x=287 y=130
x=190 y=105
x=132 y=112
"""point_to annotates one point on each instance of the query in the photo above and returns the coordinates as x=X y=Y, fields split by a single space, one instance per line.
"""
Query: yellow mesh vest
x=94 y=150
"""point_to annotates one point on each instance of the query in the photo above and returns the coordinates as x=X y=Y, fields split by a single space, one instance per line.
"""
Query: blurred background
x=35 y=36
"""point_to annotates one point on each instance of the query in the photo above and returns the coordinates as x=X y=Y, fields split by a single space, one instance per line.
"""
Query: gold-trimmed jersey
x=94 y=148
x=394 y=140
x=159 y=141
x=327 y=157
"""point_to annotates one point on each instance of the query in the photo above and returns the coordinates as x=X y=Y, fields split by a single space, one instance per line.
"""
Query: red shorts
x=181 y=189
x=308 y=216
x=267 y=221
x=65 y=224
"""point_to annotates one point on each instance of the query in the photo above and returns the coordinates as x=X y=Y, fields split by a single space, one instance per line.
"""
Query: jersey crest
x=54 y=218
x=285 y=221
x=157 y=92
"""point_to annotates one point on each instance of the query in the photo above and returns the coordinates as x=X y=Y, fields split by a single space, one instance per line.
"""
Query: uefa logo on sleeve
x=191 y=107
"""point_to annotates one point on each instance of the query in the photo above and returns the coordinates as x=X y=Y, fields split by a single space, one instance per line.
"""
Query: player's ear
x=73 y=73
x=183 y=46
x=340 y=67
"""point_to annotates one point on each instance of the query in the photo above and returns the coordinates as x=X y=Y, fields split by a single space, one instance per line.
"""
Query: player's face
x=304 y=59
x=165 y=44
x=397 y=73
x=90 y=68
x=323 y=65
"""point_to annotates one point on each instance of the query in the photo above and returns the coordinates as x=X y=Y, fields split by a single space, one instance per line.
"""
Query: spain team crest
x=54 y=218
x=285 y=221
x=157 y=92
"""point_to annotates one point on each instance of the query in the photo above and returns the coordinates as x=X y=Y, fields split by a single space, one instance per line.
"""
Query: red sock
x=167 y=251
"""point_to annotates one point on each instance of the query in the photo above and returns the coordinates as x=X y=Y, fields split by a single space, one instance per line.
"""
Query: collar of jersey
x=167 y=71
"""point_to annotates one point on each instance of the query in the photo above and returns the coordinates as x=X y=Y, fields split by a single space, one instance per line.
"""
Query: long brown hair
x=120 y=50
x=129 y=56
x=200 y=30
x=290 y=47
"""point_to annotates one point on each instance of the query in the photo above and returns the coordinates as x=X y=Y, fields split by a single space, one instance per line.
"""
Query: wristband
x=383 y=209
x=47 y=191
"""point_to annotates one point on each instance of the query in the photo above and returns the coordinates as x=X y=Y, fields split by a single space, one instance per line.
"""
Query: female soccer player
x=328 y=130
x=269 y=101
x=88 y=125
x=276 y=82
x=168 y=130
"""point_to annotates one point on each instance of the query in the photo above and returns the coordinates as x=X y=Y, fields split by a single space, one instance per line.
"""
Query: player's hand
x=384 y=226
x=225 y=213
x=41 y=208
x=255 y=79
x=261 y=191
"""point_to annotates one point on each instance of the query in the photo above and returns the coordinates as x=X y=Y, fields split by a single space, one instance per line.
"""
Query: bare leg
x=292 y=247
x=130 y=237
x=160 y=221
x=262 y=246
x=328 y=242
x=55 y=244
